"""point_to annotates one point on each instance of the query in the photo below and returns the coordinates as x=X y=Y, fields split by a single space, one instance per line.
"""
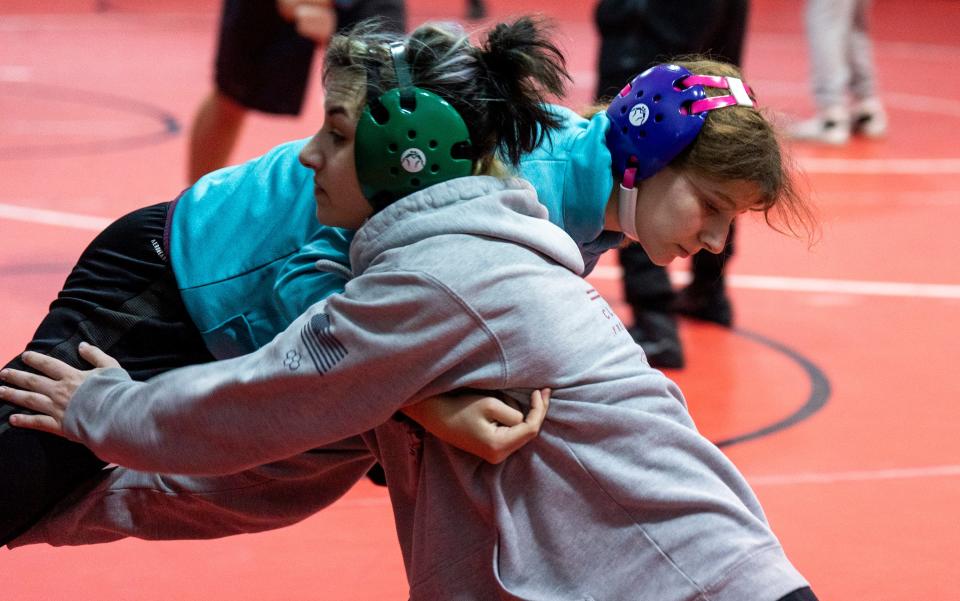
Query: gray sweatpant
x=841 y=53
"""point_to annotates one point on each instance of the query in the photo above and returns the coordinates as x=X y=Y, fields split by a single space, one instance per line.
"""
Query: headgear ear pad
x=411 y=139
x=650 y=121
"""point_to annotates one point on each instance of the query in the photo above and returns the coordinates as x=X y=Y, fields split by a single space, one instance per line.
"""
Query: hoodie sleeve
x=340 y=369
x=128 y=503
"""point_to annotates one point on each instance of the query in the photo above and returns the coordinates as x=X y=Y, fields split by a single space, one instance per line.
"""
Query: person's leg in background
x=648 y=292
x=215 y=130
x=476 y=9
x=868 y=116
x=122 y=297
x=706 y=297
x=829 y=26
x=392 y=14
x=262 y=64
x=633 y=39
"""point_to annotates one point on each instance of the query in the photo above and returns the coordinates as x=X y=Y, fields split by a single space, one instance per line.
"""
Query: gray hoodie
x=467 y=285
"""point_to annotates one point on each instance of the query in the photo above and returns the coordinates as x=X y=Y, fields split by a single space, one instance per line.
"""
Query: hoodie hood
x=505 y=209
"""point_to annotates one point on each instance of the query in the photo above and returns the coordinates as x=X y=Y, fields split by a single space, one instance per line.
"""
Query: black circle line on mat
x=167 y=124
x=819 y=390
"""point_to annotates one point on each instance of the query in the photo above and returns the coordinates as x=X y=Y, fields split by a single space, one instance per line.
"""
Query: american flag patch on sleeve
x=323 y=347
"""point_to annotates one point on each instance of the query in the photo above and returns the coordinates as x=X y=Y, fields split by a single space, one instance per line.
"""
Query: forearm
x=331 y=375
x=482 y=425
x=219 y=418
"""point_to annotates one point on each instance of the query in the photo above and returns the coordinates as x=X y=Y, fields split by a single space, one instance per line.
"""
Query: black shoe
x=707 y=304
x=657 y=335
x=376 y=475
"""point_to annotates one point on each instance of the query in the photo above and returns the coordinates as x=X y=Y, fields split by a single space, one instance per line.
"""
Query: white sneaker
x=869 y=119
x=832 y=126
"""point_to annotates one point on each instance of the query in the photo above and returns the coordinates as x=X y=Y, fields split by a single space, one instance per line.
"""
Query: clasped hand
x=49 y=392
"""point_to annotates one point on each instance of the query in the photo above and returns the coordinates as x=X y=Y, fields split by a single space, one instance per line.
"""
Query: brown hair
x=741 y=143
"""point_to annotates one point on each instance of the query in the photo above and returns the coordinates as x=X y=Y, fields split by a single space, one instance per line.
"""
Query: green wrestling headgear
x=407 y=138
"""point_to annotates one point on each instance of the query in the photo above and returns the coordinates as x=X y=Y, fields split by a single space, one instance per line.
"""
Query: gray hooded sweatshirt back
x=466 y=285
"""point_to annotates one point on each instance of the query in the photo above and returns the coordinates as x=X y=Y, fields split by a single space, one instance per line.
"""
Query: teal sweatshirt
x=244 y=241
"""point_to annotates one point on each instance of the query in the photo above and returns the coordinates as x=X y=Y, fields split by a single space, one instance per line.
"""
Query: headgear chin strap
x=407 y=138
x=653 y=118
x=627 y=205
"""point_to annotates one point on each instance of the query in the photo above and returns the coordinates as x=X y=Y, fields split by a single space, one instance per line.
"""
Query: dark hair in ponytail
x=499 y=88
x=520 y=64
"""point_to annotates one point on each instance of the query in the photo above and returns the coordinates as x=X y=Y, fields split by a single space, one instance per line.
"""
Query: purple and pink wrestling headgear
x=653 y=118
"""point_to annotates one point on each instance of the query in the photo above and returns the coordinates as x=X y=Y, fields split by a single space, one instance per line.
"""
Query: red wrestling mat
x=835 y=395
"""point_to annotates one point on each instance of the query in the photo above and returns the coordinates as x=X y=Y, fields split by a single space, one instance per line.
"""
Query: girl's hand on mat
x=482 y=425
x=48 y=393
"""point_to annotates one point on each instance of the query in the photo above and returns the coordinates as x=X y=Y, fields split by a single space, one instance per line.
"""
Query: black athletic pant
x=122 y=297
x=801 y=594
x=638 y=35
